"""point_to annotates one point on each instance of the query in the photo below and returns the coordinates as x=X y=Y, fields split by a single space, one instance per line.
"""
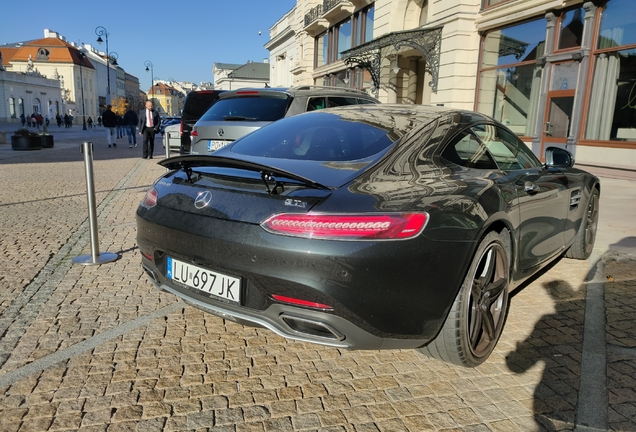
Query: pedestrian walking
x=58 y=119
x=22 y=119
x=130 y=121
x=120 y=127
x=149 y=123
x=109 y=119
x=90 y=123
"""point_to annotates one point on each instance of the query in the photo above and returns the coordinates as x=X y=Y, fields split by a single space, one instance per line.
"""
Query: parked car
x=167 y=121
x=172 y=137
x=195 y=105
x=368 y=227
x=242 y=111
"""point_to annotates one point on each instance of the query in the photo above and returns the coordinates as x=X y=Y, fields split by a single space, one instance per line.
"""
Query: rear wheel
x=586 y=235
x=479 y=311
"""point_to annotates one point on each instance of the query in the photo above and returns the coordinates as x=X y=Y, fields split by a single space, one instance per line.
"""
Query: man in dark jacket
x=149 y=123
x=130 y=124
x=109 y=120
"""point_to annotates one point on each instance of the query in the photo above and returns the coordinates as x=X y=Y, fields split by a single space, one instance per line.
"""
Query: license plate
x=205 y=280
x=215 y=145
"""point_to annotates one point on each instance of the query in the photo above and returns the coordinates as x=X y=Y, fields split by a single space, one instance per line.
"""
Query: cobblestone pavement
x=96 y=348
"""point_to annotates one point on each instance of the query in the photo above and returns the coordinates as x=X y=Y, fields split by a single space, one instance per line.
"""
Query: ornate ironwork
x=313 y=14
x=369 y=55
x=327 y=5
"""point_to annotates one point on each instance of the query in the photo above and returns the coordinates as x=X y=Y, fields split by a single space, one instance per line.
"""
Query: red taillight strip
x=390 y=226
x=300 y=302
x=150 y=200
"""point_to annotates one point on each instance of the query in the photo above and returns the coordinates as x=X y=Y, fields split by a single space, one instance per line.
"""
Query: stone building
x=557 y=72
x=229 y=76
x=48 y=76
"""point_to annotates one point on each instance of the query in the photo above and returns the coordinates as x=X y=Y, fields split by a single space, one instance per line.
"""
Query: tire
x=584 y=239
x=477 y=317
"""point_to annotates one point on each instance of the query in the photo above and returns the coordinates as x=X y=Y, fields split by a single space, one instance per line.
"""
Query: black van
x=195 y=105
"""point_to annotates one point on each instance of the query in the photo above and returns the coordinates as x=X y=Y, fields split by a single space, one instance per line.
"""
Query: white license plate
x=205 y=280
x=215 y=145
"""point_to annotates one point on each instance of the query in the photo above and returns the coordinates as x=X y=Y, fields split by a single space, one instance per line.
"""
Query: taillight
x=194 y=133
x=348 y=227
x=246 y=93
x=150 y=200
x=180 y=128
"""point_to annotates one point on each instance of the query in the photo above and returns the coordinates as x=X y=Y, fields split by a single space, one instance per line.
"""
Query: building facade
x=167 y=100
x=228 y=76
x=557 y=72
x=49 y=76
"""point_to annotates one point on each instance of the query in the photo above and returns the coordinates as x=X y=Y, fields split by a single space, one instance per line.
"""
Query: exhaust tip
x=312 y=328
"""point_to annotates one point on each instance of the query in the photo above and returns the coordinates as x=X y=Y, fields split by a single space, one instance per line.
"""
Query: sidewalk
x=96 y=348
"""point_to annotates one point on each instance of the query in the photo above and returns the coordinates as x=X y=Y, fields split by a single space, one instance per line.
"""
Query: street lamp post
x=112 y=59
x=101 y=31
x=150 y=67
x=82 y=56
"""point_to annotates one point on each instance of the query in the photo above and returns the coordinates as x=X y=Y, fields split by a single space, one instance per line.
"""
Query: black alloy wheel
x=586 y=235
x=476 y=320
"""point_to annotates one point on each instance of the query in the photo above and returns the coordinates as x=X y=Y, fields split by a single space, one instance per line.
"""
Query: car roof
x=299 y=90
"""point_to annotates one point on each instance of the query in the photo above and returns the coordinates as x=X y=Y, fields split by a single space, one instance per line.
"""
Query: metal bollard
x=95 y=257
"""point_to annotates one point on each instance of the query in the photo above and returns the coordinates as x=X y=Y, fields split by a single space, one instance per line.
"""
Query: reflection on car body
x=370 y=227
x=242 y=111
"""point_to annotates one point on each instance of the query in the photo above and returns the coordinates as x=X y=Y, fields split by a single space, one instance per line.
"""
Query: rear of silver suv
x=239 y=112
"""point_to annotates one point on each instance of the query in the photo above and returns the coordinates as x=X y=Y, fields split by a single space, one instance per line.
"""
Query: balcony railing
x=327 y=5
x=313 y=15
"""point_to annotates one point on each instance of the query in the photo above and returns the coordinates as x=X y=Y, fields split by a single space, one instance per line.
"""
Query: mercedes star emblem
x=203 y=199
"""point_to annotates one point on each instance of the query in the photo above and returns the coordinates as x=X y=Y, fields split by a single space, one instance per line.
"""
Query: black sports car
x=367 y=227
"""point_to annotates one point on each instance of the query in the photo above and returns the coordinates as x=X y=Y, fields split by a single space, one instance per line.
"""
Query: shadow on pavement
x=557 y=342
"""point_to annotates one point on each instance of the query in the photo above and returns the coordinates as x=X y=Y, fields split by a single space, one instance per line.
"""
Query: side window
x=466 y=150
x=505 y=148
x=365 y=102
x=336 y=101
x=317 y=103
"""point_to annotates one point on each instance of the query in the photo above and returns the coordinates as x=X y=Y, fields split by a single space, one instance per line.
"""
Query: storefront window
x=511 y=96
x=523 y=42
x=618 y=24
x=611 y=113
x=612 y=107
x=510 y=80
x=571 y=31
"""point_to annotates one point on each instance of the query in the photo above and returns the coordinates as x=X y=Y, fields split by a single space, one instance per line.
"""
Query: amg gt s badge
x=295 y=203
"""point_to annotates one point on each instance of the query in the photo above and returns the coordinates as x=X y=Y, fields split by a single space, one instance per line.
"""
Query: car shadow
x=557 y=342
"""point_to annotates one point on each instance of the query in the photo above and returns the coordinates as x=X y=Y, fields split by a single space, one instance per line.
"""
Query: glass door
x=557 y=122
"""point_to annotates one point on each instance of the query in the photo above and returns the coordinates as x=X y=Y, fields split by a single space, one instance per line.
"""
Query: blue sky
x=182 y=38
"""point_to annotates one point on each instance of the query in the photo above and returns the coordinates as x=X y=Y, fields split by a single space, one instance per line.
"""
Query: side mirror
x=558 y=157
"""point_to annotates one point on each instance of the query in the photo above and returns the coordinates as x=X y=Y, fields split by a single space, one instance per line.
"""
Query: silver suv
x=239 y=112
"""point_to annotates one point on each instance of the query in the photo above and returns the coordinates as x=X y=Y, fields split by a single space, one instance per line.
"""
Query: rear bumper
x=294 y=323
x=381 y=294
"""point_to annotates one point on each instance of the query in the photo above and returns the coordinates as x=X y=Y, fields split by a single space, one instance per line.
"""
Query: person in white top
x=149 y=123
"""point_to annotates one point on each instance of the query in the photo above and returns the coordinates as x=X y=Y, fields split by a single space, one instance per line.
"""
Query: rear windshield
x=319 y=136
x=248 y=109
x=197 y=103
